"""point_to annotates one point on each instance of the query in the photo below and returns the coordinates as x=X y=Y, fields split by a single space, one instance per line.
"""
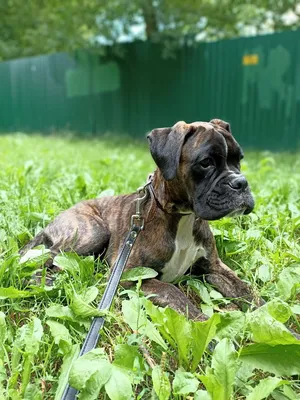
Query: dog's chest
x=186 y=250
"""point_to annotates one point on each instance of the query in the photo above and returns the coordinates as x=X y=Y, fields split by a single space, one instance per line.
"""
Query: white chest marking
x=186 y=250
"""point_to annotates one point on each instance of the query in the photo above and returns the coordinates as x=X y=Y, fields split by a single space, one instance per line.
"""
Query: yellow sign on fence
x=250 y=59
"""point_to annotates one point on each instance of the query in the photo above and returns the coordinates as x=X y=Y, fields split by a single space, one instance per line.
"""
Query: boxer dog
x=197 y=180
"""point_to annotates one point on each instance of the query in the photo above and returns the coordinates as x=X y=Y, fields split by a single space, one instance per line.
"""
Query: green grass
x=144 y=352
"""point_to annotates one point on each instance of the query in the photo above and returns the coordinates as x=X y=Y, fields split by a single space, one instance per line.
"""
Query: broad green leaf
x=161 y=383
x=135 y=316
x=201 y=290
x=207 y=310
x=296 y=309
x=128 y=357
x=68 y=361
x=179 y=328
x=263 y=273
x=67 y=262
x=279 y=310
x=214 y=388
x=87 y=269
x=184 y=382
x=188 y=337
x=231 y=324
x=288 y=280
x=243 y=374
x=89 y=294
x=61 y=336
x=92 y=367
x=158 y=317
x=12 y=293
x=153 y=334
x=202 y=395
x=33 y=392
x=13 y=394
x=134 y=274
x=29 y=336
x=265 y=329
x=92 y=387
x=118 y=387
x=216 y=295
x=201 y=335
x=61 y=312
x=224 y=366
x=81 y=308
x=36 y=256
x=66 y=314
x=265 y=388
x=289 y=393
x=279 y=359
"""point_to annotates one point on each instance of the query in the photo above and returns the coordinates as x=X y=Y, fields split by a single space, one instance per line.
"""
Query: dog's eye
x=207 y=162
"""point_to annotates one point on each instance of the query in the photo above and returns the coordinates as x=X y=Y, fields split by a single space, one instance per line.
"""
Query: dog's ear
x=165 y=147
x=223 y=124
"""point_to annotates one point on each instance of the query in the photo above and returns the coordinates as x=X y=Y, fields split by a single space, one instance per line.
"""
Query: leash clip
x=137 y=219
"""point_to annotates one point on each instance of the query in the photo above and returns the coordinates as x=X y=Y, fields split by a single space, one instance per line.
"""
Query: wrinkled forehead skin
x=214 y=139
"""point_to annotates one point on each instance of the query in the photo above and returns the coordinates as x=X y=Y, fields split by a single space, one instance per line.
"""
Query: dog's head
x=204 y=159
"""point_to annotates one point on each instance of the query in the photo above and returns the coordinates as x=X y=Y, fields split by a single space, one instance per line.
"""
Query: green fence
x=252 y=82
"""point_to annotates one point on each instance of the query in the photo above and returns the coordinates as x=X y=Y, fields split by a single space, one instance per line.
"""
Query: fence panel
x=254 y=83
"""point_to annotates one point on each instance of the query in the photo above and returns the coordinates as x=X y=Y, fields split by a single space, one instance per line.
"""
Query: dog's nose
x=239 y=183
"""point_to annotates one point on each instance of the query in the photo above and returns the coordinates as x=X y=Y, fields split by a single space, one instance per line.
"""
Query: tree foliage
x=43 y=26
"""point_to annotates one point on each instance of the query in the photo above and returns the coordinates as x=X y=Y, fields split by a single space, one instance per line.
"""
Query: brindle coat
x=198 y=174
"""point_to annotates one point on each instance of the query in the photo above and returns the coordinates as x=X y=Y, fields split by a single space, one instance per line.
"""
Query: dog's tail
x=36 y=241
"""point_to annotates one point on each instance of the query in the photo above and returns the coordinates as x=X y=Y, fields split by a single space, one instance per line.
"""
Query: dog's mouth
x=216 y=208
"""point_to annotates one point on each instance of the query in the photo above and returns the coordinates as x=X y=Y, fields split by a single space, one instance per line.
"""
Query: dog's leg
x=167 y=294
x=39 y=239
x=75 y=230
x=231 y=286
x=226 y=282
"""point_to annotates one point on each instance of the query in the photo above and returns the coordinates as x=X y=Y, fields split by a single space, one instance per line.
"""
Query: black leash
x=93 y=335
